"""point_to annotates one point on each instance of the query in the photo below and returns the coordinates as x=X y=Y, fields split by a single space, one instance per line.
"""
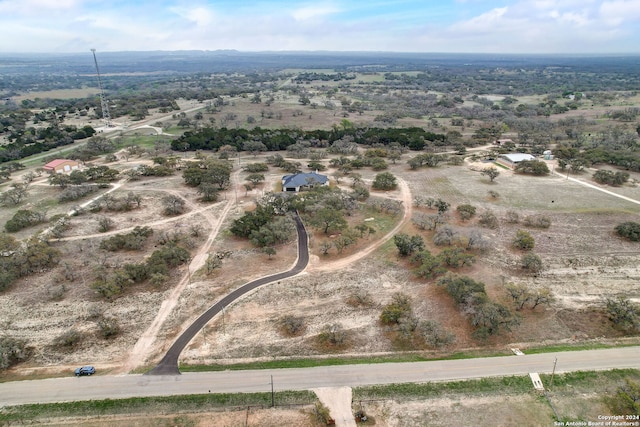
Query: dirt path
x=144 y=345
x=338 y=400
x=405 y=198
x=202 y=210
x=595 y=187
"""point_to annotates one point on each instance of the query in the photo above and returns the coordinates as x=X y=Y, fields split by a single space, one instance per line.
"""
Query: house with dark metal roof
x=302 y=181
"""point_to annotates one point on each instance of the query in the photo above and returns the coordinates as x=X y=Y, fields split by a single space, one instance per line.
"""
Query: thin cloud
x=199 y=15
x=312 y=12
x=620 y=11
x=536 y=26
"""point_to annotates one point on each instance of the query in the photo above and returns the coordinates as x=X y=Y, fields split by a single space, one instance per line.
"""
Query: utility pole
x=553 y=373
x=103 y=99
x=273 y=403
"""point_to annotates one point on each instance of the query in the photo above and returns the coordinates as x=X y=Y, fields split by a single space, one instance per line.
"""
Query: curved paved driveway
x=169 y=363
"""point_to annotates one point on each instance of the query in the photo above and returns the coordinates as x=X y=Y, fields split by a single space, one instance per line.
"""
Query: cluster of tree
x=523 y=240
x=490 y=172
x=269 y=224
x=214 y=260
x=544 y=109
x=94 y=174
x=208 y=171
x=427 y=159
x=155 y=269
x=466 y=211
x=522 y=296
x=22 y=259
x=252 y=220
x=427 y=265
x=256 y=167
x=537 y=221
x=332 y=336
x=76 y=192
x=414 y=138
x=280 y=139
x=111 y=203
x=531 y=263
x=7 y=169
x=147 y=170
x=629 y=230
x=384 y=181
x=440 y=205
x=15 y=195
x=95 y=146
x=12 y=351
x=138 y=105
x=387 y=206
x=430 y=222
x=322 y=207
x=278 y=161
x=614 y=146
x=275 y=232
x=399 y=316
x=30 y=141
x=24 y=218
x=346 y=165
x=623 y=313
x=625 y=115
x=488 y=317
x=626 y=399
x=325 y=208
x=610 y=178
x=469 y=239
x=133 y=240
x=347 y=237
x=308 y=77
x=532 y=167
x=291 y=326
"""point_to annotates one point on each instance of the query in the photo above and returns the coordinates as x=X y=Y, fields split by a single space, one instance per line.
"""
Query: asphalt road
x=114 y=387
x=169 y=363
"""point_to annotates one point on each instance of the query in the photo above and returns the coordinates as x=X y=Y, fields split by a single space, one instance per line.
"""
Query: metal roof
x=54 y=163
x=301 y=179
x=518 y=157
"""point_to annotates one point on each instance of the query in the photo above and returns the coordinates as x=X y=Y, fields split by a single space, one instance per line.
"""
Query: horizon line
x=325 y=51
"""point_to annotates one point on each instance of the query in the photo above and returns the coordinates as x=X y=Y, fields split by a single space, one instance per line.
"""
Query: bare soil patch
x=462 y=411
x=584 y=261
x=275 y=417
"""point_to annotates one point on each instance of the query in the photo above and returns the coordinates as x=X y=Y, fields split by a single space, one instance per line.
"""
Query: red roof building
x=61 y=166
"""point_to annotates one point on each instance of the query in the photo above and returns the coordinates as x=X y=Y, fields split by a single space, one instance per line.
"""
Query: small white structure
x=537 y=382
x=302 y=181
x=512 y=160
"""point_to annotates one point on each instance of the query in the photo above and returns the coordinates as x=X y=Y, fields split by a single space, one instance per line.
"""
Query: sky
x=453 y=26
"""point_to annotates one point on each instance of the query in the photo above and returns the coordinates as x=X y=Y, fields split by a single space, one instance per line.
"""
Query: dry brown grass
x=583 y=262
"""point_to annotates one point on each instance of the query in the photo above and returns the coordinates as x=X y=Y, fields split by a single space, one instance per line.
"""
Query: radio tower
x=103 y=98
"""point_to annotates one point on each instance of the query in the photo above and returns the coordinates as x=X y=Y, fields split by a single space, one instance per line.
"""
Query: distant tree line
x=413 y=138
x=308 y=77
x=30 y=141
